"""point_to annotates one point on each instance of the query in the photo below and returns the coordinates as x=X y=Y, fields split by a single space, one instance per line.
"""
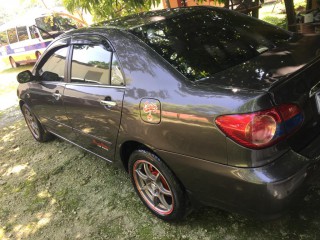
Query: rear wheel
x=156 y=186
x=38 y=54
x=35 y=126
x=13 y=63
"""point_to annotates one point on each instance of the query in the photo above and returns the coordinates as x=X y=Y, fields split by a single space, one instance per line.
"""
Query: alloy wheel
x=153 y=187
x=32 y=123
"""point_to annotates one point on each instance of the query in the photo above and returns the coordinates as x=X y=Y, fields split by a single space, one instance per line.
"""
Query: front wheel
x=38 y=55
x=156 y=186
x=13 y=63
x=34 y=125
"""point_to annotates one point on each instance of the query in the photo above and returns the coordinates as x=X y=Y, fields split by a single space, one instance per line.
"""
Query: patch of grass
x=67 y=200
x=145 y=232
x=112 y=230
x=274 y=13
x=4 y=213
x=36 y=204
x=277 y=21
x=17 y=70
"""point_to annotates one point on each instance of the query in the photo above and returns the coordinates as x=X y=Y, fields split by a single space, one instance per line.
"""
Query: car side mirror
x=25 y=76
x=50 y=76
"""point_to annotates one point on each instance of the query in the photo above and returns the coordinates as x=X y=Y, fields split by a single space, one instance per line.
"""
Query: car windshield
x=53 y=25
x=204 y=42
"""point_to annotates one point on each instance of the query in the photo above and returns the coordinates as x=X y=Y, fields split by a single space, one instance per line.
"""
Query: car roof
x=136 y=20
x=145 y=18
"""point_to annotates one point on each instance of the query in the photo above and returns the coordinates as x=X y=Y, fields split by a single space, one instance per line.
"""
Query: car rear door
x=94 y=94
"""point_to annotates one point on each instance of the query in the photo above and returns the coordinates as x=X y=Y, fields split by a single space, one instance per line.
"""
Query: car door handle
x=108 y=103
x=57 y=96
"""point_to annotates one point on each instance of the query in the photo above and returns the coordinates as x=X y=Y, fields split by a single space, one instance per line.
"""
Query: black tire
x=13 y=63
x=35 y=126
x=38 y=55
x=156 y=186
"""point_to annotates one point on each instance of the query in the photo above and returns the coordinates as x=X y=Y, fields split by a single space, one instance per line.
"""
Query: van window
x=22 y=33
x=3 y=39
x=33 y=32
x=12 y=35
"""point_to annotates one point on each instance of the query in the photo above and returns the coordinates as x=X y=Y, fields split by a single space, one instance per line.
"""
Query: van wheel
x=13 y=63
x=35 y=126
x=38 y=54
x=156 y=186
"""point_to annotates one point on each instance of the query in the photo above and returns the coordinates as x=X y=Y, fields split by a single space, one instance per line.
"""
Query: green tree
x=106 y=9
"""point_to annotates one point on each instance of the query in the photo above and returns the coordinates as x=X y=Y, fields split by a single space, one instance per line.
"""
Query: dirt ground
x=57 y=191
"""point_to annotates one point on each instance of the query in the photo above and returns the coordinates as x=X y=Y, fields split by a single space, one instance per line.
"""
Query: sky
x=10 y=9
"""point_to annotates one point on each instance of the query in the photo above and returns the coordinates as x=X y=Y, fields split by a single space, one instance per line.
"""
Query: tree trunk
x=226 y=3
x=291 y=15
x=168 y=3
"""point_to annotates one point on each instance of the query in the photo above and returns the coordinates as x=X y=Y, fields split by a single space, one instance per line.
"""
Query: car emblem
x=150 y=110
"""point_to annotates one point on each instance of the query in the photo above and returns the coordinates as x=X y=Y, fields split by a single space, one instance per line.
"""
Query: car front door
x=94 y=94
x=46 y=94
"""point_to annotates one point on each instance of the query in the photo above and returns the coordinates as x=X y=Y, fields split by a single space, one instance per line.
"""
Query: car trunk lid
x=271 y=67
x=303 y=89
x=290 y=74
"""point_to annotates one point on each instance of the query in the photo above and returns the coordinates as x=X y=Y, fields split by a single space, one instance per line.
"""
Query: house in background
x=250 y=7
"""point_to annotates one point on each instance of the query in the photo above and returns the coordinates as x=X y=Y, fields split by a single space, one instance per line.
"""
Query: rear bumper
x=264 y=192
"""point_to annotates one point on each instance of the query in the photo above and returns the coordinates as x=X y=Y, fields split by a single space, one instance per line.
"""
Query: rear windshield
x=204 y=42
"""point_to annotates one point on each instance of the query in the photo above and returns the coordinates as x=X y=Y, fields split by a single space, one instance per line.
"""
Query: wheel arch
x=128 y=147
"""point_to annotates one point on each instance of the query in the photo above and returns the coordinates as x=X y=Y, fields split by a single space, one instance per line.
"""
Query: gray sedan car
x=199 y=105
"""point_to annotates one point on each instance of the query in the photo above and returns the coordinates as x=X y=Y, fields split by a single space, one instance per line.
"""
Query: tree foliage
x=106 y=9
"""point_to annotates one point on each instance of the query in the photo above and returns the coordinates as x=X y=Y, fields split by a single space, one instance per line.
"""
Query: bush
x=279 y=22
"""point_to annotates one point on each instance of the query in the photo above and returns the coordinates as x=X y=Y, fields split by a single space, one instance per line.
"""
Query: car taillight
x=261 y=129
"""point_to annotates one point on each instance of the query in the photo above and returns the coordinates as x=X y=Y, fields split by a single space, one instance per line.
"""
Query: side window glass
x=12 y=35
x=3 y=39
x=116 y=75
x=90 y=64
x=33 y=32
x=53 y=68
x=22 y=33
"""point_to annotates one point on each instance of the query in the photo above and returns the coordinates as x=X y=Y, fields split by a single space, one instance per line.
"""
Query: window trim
x=111 y=67
x=67 y=42
x=64 y=42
